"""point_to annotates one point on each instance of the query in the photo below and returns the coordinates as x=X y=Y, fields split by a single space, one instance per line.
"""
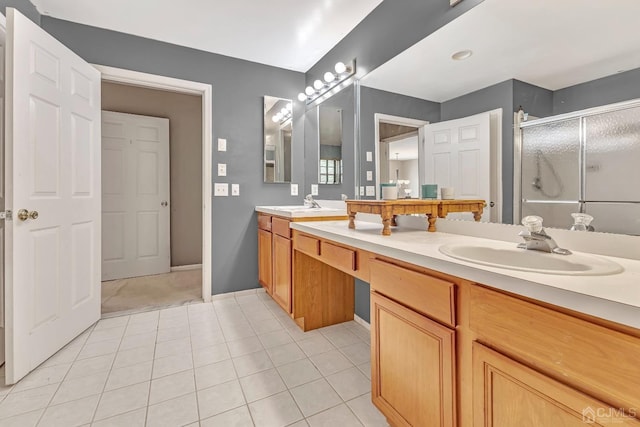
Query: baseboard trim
x=359 y=320
x=186 y=267
x=238 y=293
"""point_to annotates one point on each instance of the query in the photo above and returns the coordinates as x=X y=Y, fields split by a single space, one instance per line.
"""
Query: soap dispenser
x=582 y=222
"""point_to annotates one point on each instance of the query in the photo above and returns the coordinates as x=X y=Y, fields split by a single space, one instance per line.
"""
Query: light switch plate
x=235 y=189
x=369 y=175
x=371 y=190
x=362 y=190
x=221 y=189
x=222 y=169
x=222 y=144
x=314 y=189
x=369 y=156
x=294 y=189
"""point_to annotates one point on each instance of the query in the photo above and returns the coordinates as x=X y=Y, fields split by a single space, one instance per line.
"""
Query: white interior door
x=3 y=46
x=135 y=196
x=52 y=261
x=458 y=155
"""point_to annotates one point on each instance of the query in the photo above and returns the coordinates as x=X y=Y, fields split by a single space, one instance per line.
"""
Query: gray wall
x=374 y=101
x=363 y=300
x=238 y=88
x=345 y=101
x=389 y=29
x=607 y=90
x=24 y=6
x=185 y=145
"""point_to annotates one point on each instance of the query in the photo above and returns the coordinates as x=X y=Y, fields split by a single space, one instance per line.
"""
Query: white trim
x=186 y=267
x=495 y=164
x=396 y=120
x=360 y=321
x=135 y=78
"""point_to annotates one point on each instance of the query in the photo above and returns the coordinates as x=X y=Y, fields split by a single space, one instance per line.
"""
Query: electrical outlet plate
x=222 y=144
x=294 y=189
x=362 y=190
x=369 y=175
x=371 y=190
x=369 y=156
x=222 y=169
x=220 y=189
x=235 y=189
x=314 y=189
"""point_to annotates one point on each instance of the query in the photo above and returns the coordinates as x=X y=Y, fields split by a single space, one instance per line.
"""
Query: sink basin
x=534 y=261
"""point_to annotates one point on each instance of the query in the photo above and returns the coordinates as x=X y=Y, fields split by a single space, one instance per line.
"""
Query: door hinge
x=7 y=215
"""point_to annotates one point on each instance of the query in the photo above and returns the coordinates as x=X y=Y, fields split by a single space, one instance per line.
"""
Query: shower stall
x=586 y=161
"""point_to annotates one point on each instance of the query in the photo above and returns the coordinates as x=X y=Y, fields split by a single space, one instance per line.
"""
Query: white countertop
x=301 y=211
x=613 y=297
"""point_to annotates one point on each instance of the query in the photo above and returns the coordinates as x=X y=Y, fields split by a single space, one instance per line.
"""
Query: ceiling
x=404 y=149
x=291 y=34
x=549 y=43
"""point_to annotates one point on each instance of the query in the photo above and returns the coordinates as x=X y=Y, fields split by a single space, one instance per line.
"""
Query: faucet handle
x=532 y=223
x=581 y=221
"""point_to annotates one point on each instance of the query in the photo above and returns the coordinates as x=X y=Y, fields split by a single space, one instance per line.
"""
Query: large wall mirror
x=548 y=57
x=330 y=144
x=277 y=139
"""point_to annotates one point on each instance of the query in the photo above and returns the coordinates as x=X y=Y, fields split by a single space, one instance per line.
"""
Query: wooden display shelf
x=433 y=209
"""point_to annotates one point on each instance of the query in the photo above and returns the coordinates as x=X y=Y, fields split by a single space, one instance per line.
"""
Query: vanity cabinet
x=275 y=257
x=281 y=289
x=446 y=351
x=508 y=393
x=265 y=258
x=413 y=351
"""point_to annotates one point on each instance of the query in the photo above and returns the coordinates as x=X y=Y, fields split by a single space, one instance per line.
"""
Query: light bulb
x=309 y=91
x=318 y=84
x=275 y=118
x=329 y=77
x=340 y=67
x=302 y=97
x=284 y=111
x=290 y=106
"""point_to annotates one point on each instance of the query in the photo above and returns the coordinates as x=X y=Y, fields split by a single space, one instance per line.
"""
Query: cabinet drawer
x=429 y=295
x=341 y=258
x=280 y=227
x=264 y=222
x=307 y=244
x=595 y=359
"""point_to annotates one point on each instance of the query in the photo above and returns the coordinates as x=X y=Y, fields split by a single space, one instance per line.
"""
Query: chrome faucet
x=309 y=202
x=535 y=238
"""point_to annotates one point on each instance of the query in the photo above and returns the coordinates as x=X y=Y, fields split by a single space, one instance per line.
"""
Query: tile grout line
x=110 y=369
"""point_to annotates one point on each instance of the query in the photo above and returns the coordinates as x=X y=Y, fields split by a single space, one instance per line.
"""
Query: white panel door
x=458 y=155
x=135 y=195
x=3 y=45
x=52 y=258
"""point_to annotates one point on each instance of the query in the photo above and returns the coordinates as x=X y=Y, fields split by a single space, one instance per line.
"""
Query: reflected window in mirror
x=330 y=144
x=277 y=139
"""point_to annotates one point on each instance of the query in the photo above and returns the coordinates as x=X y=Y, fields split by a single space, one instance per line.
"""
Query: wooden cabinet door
x=281 y=290
x=507 y=393
x=413 y=366
x=265 y=260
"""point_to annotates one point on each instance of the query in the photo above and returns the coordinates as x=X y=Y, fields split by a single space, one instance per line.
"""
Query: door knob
x=24 y=214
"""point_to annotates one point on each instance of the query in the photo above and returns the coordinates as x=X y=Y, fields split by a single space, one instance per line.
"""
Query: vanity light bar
x=332 y=79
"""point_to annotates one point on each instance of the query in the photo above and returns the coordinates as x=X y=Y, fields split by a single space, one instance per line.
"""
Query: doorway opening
x=398 y=150
x=183 y=273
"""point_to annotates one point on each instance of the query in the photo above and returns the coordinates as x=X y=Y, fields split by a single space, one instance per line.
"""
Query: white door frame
x=397 y=120
x=152 y=81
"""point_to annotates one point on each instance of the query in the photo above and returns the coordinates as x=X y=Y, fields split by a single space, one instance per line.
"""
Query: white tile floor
x=238 y=361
